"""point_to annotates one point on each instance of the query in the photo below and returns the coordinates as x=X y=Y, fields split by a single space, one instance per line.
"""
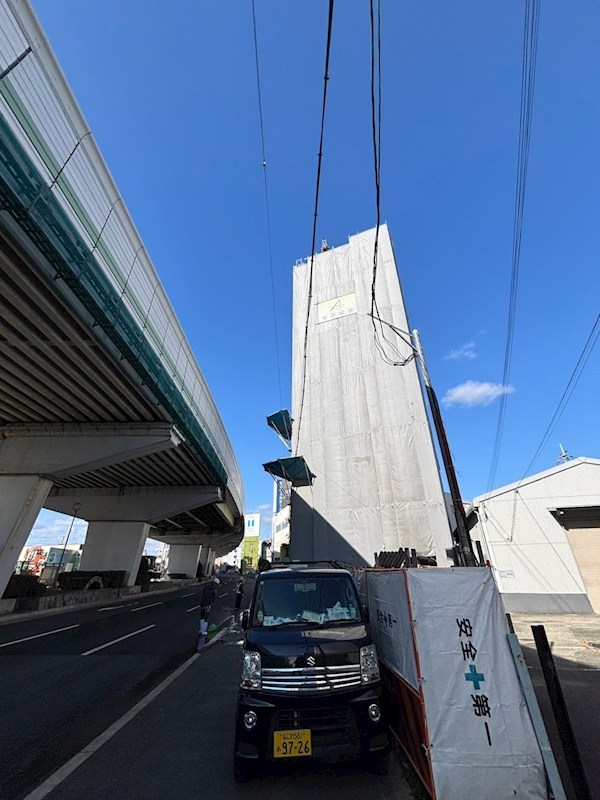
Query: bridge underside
x=85 y=428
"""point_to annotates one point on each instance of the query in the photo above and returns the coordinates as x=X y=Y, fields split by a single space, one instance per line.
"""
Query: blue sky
x=169 y=91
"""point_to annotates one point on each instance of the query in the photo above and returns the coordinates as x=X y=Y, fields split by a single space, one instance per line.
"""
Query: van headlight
x=369 y=665
x=251 y=670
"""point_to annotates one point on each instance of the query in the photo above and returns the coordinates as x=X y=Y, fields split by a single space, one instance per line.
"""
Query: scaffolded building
x=359 y=421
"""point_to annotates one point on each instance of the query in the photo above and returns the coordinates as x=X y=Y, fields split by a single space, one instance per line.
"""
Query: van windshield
x=315 y=600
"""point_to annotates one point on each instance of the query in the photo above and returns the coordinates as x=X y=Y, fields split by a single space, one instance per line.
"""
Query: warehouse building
x=542 y=538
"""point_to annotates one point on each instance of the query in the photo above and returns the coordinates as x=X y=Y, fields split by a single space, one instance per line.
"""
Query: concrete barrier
x=62 y=602
x=63 y=599
x=8 y=606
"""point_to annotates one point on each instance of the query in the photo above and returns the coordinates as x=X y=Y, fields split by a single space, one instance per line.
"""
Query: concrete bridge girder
x=32 y=456
x=61 y=450
x=219 y=542
x=132 y=503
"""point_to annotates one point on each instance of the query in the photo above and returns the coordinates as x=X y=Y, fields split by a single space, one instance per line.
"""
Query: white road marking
x=120 y=639
x=48 y=786
x=192 y=609
x=38 y=635
x=191 y=594
x=141 y=608
x=109 y=608
x=223 y=595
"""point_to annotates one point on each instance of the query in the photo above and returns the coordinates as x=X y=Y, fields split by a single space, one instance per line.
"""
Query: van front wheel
x=242 y=771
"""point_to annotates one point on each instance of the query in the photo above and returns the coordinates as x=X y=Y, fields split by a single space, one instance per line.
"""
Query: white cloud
x=52 y=529
x=474 y=393
x=466 y=350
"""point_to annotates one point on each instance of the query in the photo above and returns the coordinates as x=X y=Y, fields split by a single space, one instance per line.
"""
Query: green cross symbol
x=474 y=676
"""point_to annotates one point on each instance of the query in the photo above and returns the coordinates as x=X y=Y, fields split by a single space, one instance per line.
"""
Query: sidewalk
x=575 y=643
x=181 y=744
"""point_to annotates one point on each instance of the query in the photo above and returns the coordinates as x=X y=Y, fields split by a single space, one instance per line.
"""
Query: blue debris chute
x=293 y=469
x=281 y=423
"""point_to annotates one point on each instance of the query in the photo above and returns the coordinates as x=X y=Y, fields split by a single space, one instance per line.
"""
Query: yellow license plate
x=292 y=743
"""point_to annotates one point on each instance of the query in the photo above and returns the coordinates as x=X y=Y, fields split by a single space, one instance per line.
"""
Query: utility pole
x=465 y=545
x=464 y=537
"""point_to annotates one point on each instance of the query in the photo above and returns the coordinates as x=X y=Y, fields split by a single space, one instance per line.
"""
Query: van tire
x=379 y=765
x=242 y=771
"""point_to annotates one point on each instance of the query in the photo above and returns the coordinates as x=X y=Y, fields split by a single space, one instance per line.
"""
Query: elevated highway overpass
x=104 y=412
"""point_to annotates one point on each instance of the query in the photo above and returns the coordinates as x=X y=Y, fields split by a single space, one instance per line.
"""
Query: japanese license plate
x=292 y=743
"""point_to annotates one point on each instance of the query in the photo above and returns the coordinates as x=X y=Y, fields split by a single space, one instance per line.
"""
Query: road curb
x=227 y=625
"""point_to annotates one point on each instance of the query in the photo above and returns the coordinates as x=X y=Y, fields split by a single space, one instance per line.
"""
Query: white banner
x=482 y=745
x=390 y=622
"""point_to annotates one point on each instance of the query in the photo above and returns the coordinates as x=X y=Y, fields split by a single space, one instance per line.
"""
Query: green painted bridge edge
x=30 y=201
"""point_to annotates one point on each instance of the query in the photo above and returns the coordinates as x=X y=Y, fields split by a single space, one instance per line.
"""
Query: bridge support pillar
x=210 y=562
x=183 y=559
x=21 y=500
x=204 y=553
x=115 y=545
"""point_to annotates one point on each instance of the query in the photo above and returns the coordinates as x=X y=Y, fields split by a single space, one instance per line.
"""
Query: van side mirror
x=245 y=619
x=366 y=612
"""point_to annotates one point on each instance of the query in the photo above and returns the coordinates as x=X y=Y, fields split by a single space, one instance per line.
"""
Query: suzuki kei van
x=310 y=685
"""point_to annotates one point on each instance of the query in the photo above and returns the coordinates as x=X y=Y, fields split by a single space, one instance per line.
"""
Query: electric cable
x=569 y=389
x=528 y=69
x=267 y=204
x=315 y=216
x=397 y=358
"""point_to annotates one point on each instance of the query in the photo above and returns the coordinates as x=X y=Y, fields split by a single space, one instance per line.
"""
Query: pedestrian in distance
x=209 y=595
x=239 y=592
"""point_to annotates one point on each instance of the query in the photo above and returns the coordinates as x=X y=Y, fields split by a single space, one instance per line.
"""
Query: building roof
x=576 y=462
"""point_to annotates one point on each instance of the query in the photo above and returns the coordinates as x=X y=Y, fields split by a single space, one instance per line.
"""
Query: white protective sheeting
x=364 y=430
x=481 y=740
x=391 y=629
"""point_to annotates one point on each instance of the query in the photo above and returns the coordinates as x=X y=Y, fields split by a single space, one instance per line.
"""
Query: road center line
x=38 y=635
x=188 y=595
x=193 y=608
x=141 y=608
x=120 y=639
x=223 y=595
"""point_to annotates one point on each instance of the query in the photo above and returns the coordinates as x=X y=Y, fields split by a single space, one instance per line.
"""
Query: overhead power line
x=569 y=389
x=315 y=217
x=267 y=205
x=530 y=43
x=386 y=347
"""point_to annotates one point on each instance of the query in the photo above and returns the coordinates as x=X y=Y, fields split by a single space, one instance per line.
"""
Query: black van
x=310 y=685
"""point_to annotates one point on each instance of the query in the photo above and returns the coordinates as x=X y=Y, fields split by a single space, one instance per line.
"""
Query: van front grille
x=333 y=730
x=302 y=680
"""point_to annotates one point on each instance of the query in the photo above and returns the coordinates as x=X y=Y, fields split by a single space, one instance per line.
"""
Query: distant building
x=250 y=544
x=34 y=558
x=360 y=419
x=280 y=527
x=280 y=522
x=542 y=538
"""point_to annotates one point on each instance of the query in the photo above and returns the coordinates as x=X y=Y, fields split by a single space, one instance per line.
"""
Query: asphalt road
x=181 y=746
x=65 y=678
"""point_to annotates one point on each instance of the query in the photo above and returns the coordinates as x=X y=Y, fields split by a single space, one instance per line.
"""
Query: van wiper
x=304 y=622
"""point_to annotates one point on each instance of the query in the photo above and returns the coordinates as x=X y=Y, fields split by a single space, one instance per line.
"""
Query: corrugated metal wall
x=529 y=549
